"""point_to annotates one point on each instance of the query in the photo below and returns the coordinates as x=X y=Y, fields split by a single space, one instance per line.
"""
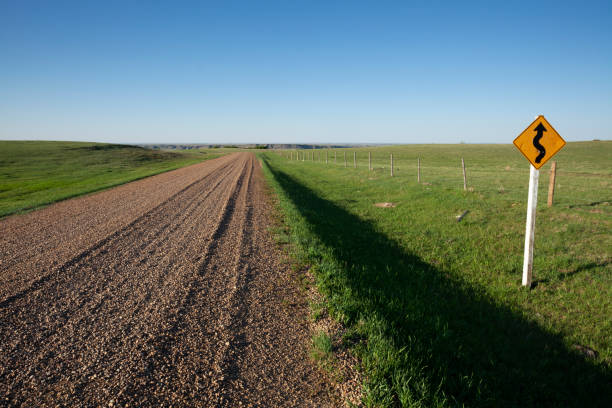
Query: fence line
x=399 y=165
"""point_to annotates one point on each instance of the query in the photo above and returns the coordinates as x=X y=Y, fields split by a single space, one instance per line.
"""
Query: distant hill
x=254 y=146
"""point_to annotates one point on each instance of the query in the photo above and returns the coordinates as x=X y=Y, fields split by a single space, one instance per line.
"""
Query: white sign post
x=538 y=143
x=532 y=202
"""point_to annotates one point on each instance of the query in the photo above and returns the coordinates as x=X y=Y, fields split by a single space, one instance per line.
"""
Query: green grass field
x=434 y=308
x=34 y=174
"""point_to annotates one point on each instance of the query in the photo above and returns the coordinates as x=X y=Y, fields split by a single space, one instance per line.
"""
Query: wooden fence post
x=391 y=164
x=370 y=160
x=335 y=157
x=345 y=158
x=418 y=169
x=355 y=159
x=551 y=185
x=464 y=178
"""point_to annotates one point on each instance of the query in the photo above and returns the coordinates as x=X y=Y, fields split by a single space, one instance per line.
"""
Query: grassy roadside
x=34 y=174
x=433 y=307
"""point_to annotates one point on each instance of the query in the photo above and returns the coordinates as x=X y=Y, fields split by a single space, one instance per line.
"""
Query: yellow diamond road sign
x=539 y=142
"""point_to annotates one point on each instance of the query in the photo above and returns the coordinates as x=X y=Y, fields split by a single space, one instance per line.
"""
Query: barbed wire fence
x=414 y=167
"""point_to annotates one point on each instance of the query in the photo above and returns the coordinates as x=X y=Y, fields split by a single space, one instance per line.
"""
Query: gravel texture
x=167 y=291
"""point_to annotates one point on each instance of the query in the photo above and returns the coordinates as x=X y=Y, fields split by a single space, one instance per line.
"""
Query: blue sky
x=303 y=71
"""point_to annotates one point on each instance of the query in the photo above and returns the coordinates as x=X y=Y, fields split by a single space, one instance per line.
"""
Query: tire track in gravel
x=173 y=359
x=69 y=270
x=183 y=302
x=77 y=277
x=45 y=239
x=38 y=283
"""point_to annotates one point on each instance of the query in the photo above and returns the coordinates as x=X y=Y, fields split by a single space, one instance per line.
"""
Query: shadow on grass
x=582 y=268
x=593 y=204
x=449 y=341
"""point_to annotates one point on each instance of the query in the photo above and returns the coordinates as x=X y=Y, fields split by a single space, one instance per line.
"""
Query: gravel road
x=162 y=292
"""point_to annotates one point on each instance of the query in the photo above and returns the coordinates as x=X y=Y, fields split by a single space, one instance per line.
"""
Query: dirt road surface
x=162 y=292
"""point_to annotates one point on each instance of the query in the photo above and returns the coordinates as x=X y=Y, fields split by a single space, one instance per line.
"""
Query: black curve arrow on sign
x=536 y=142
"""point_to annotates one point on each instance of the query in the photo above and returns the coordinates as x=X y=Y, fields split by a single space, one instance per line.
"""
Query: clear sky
x=303 y=71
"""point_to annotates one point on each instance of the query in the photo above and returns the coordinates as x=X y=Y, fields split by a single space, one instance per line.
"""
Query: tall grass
x=434 y=308
x=34 y=174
